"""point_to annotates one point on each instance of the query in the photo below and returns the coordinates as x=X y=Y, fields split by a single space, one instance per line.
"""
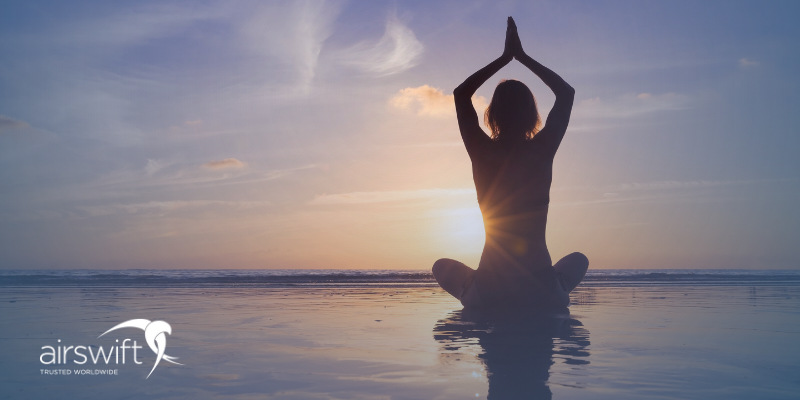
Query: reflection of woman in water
x=518 y=349
x=512 y=171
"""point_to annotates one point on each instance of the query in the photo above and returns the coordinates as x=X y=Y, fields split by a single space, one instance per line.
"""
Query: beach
x=389 y=337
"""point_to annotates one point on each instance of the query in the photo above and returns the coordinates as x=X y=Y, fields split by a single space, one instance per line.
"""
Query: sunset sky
x=322 y=134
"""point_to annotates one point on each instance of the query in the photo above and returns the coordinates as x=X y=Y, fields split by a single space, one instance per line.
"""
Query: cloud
x=430 y=101
x=676 y=185
x=8 y=124
x=744 y=62
x=165 y=207
x=630 y=105
x=615 y=189
x=310 y=31
x=154 y=166
x=151 y=180
x=664 y=191
x=292 y=33
x=390 y=196
x=397 y=51
x=222 y=164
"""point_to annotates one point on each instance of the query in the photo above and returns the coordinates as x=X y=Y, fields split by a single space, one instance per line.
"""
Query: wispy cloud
x=158 y=178
x=154 y=166
x=292 y=33
x=397 y=51
x=179 y=176
x=429 y=101
x=167 y=207
x=746 y=62
x=669 y=185
x=674 y=185
x=663 y=191
x=311 y=29
x=390 y=196
x=8 y=124
x=630 y=105
x=124 y=26
x=222 y=164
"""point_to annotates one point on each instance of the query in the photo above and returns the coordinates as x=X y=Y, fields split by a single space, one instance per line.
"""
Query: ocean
x=375 y=334
x=329 y=277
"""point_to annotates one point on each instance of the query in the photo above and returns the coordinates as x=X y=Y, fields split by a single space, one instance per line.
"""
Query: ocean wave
x=285 y=277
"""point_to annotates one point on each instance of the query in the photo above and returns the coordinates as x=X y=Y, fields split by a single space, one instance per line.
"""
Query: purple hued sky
x=322 y=134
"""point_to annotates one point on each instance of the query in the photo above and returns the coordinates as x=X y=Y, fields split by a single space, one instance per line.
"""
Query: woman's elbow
x=566 y=91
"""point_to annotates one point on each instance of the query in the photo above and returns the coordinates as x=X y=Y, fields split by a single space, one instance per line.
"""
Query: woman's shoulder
x=543 y=143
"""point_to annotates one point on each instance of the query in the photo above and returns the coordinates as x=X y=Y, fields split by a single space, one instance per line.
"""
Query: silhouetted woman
x=512 y=171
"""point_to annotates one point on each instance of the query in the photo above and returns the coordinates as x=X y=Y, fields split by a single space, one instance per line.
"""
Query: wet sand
x=412 y=342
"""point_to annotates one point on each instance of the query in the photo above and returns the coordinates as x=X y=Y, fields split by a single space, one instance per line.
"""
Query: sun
x=459 y=231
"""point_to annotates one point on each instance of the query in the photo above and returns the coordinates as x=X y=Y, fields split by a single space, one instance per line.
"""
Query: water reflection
x=516 y=350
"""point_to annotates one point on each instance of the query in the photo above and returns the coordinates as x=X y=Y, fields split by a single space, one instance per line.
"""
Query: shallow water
x=409 y=340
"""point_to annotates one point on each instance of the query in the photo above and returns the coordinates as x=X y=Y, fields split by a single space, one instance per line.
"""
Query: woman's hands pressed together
x=513 y=46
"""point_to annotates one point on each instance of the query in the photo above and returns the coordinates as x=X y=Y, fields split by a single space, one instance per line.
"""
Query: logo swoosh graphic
x=155 y=336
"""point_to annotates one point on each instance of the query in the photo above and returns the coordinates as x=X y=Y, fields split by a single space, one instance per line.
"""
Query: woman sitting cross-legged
x=512 y=171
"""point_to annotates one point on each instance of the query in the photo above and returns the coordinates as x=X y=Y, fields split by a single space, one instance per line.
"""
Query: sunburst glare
x=459 y=230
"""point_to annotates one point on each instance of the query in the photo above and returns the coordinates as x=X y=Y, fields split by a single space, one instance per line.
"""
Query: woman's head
x=512 y=111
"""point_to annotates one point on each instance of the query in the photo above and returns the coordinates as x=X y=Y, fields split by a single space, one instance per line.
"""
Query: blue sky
x=321 y=135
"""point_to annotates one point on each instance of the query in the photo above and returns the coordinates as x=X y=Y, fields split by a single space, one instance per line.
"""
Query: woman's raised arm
x=471 y=131
x=558 y=119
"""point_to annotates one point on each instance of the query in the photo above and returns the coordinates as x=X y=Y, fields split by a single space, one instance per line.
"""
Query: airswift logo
x=155 y=335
